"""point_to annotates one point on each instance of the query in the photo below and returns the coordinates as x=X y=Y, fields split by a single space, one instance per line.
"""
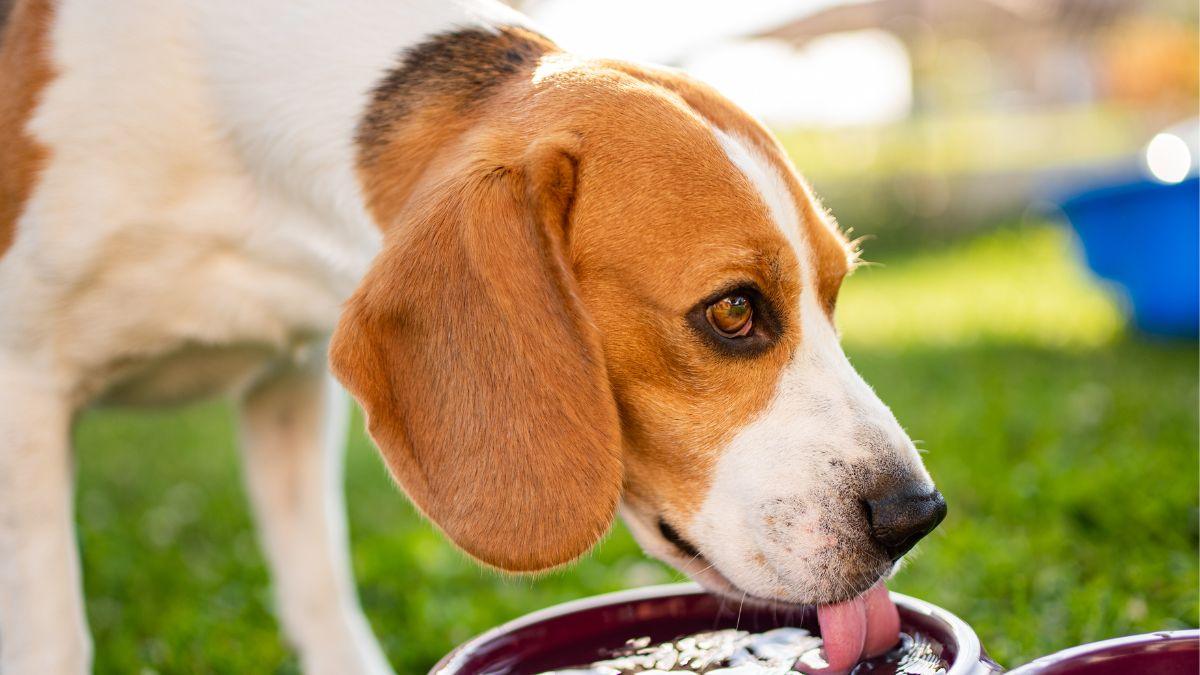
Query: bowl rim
x=970 y=657
x=1086 y=649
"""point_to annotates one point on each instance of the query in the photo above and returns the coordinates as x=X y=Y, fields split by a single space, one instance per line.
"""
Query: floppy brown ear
x=480 y=371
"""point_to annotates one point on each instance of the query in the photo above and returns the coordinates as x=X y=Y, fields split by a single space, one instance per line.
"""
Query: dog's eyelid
x=747 y=287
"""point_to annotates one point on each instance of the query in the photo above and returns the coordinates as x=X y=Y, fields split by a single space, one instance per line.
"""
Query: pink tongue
x=844 y=629
x=865 y=626
x=883 y=622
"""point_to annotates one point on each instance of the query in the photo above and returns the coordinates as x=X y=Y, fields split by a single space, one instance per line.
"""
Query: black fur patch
x=5 y=9
x=463 y=67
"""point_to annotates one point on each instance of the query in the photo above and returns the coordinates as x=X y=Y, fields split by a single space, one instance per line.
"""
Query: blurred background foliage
x=1064 y=441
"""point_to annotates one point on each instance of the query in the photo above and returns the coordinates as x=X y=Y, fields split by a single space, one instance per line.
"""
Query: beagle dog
x=558 y=287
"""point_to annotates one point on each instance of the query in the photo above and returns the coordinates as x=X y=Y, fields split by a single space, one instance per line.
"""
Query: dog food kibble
x=783 y=651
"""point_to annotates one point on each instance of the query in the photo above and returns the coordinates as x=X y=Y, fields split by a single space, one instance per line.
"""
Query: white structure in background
x=1171 y=156
x=859 y=77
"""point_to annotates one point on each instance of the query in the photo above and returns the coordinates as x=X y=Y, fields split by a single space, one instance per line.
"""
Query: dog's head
x=609 y=287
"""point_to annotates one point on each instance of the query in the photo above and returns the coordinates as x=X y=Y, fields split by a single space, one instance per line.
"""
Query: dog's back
x=179 y=175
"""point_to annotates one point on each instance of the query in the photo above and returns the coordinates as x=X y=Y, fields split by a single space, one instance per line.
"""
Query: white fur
x=42 y=626
x=767 y=495
x=195 y=229
x=293 y=427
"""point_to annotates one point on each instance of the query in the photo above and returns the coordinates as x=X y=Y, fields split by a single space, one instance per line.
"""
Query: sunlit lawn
x=1066 y=448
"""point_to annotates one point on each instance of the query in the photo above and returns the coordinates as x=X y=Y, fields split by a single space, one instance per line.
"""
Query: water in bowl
x=782 y=651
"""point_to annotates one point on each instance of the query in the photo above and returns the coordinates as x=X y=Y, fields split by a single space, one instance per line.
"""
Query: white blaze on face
x=782 y=518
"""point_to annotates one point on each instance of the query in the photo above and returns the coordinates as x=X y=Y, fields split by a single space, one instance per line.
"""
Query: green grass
x=1066 y=448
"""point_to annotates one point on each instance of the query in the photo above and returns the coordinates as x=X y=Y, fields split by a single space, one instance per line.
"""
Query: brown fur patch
x=830 y=250
x=24 y=71
x=442 y=336
x=831 y=253
x=482 y=377
x=663 y=222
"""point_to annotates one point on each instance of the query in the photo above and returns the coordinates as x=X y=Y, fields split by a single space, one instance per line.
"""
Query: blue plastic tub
x=1144 y=237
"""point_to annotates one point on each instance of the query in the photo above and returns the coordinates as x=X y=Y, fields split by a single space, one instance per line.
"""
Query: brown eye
x=732 y=316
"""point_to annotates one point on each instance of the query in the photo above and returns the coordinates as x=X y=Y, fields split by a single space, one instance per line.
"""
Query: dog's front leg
x=293 y=434
x=42 y=624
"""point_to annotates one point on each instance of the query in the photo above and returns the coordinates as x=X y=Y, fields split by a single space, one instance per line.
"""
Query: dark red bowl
x=1165 y=653
x=576 y=632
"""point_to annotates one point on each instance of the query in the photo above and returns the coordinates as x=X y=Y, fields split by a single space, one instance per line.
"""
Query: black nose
x=900 y=519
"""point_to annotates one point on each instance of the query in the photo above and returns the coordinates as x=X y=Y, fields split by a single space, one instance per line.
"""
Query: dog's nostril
x=902 y=518
x=866 y=507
